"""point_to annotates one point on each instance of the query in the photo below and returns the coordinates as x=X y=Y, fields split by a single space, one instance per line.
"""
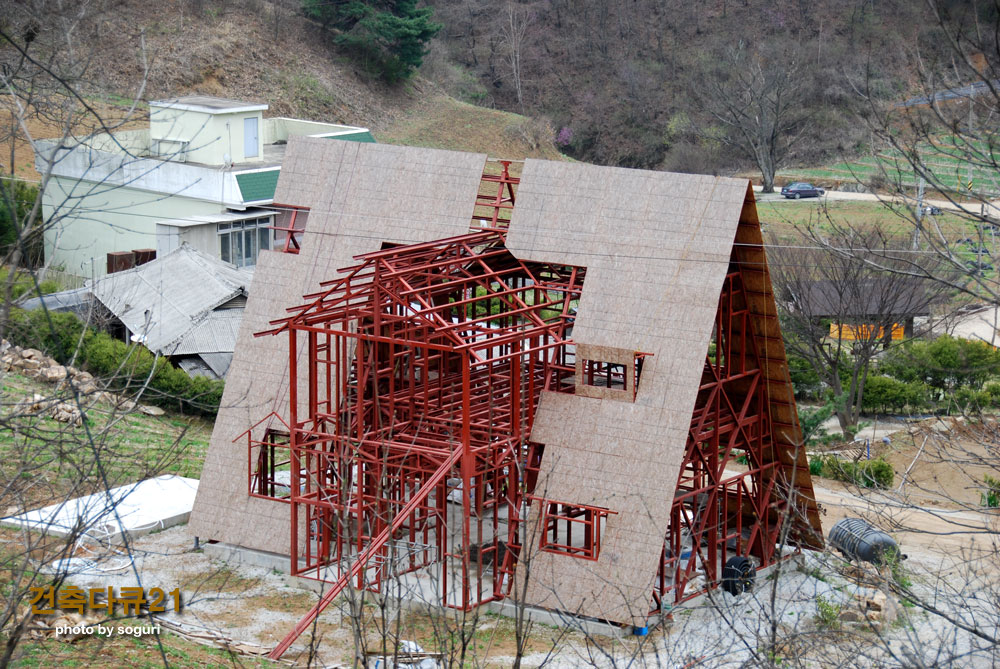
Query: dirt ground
x=255 y=607
x=934 y=515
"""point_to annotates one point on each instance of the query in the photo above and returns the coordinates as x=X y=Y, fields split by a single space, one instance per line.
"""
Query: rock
x=64 y=412
x=876 y=602
x=850 y=616
x=53 y=374
x=72 y=371
x=853 y=187
x=28 y=364
x=84 y=382
x=32 y=354
x=151 y=410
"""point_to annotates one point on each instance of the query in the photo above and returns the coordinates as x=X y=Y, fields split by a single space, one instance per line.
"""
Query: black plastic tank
x=858 y=540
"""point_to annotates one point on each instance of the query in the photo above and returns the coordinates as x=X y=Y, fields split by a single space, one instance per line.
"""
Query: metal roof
x=213 y=219
x=258 y=186
x=162 y=301
x=881 y=297
x=214 y=332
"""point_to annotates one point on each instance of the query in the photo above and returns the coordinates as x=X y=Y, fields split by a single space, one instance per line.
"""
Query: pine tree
x=389 y=36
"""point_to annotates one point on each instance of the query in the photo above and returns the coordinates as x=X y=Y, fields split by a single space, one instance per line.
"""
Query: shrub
x=992 y=391
x=827 y=613
x=967 y=399
x=805 y=380
x=884 y=393
x=24 y=285
x=944 y=363
x=17 y=199
x=875 y=473
x=816 y=467
x=991 y=498
x=125 y=367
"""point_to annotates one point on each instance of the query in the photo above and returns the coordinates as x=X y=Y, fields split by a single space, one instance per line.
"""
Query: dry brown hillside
x=257 y=50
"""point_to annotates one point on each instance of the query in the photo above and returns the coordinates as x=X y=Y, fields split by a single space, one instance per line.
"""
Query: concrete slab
x=137 y=508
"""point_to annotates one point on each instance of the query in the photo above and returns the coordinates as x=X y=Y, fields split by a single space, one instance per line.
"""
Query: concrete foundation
x=413 y=594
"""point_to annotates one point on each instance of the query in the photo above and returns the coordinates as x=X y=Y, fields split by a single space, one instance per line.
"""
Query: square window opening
x=572 y=529
x=604 y=374
x=272 y=476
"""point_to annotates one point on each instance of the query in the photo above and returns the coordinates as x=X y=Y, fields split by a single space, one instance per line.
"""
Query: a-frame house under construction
x=570 y=385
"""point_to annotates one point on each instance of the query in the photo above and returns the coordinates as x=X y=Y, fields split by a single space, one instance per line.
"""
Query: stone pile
x=64 y=412
x=34 y=364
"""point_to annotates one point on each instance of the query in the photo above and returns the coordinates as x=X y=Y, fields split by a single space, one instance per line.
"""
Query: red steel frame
x=423 y=369
x=288 y=235
x=719 y=513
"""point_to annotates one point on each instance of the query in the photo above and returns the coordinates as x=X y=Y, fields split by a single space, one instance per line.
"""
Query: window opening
x=604 y=374
x=572 y=529
x=272 y=477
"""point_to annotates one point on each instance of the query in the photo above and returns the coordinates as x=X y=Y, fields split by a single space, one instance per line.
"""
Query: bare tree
x=935 y=152
x=756 y=101
x=838 y=312
x=516 y=20
x=65 y=439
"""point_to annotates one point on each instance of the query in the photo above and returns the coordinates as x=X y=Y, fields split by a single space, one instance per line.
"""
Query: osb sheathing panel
x=656 y=247
x=359 y=196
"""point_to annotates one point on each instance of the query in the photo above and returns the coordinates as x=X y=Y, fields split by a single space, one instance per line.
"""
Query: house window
x=241 y=241
x=572 y=529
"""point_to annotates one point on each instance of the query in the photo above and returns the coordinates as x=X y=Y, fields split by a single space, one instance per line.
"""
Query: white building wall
x=204 y=238
x=81 y=231
x=207 y=138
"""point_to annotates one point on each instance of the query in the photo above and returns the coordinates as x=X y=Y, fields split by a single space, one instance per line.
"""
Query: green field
x=946 y=158
x=53 y=456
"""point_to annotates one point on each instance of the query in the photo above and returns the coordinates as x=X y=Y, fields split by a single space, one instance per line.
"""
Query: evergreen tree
x=389 y=36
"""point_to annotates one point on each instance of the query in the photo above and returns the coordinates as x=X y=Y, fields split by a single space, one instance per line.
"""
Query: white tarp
x=138 y=508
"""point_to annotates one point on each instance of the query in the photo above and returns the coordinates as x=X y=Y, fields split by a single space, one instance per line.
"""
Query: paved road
x=836 y=195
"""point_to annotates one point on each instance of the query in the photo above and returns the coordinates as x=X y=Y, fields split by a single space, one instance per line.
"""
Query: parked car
x=800 y=189
x=932 y=211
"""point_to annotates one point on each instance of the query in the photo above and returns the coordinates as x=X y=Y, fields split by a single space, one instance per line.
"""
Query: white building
x=203 y=173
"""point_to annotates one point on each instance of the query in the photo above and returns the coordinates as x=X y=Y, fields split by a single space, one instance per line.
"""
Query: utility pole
x=920 y=213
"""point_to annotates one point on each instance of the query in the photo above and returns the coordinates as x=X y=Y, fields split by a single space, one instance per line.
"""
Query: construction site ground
x=250 y=608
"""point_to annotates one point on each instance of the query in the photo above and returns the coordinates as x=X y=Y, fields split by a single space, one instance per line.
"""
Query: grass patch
x=221 y=579
x=24 y=284
x=875 y=473
x=129 y=651
x=946 y=157
x=442 y=122
x=786 y=218
x=827 y=613
x=132 y=446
